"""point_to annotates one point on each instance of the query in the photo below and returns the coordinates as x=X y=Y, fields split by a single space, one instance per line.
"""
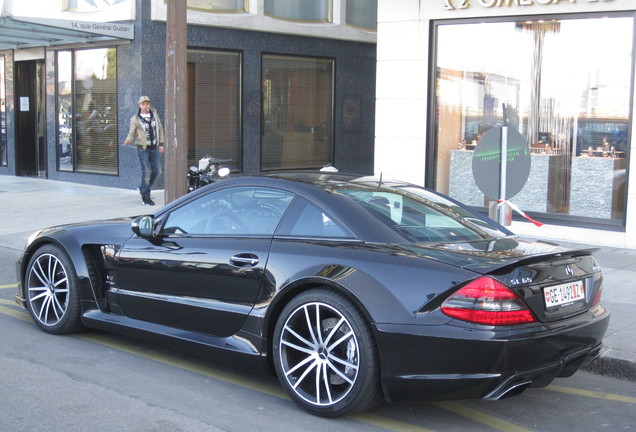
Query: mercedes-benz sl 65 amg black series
x=352 y=290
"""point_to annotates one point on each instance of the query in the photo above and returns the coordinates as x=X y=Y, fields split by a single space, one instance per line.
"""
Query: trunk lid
x=555 y=282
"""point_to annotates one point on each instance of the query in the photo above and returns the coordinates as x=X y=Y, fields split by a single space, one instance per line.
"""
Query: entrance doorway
x=30 y=121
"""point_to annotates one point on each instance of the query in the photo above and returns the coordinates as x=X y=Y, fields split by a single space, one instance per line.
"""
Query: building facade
x=271 y=84
x=557 y=75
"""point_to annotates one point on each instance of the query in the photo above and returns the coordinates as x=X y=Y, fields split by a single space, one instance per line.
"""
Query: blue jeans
x=150 y=161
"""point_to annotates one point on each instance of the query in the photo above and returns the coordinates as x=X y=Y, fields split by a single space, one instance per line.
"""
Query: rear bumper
x=565 y=366
x=461 y=362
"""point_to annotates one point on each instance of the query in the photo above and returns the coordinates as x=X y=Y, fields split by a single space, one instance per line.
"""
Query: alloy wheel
x=48 y=289
x=319 y=354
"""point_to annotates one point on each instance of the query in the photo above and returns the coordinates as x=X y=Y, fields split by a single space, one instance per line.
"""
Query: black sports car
x=352 y=290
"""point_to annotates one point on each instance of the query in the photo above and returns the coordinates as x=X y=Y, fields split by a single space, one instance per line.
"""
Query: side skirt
x=233 y=350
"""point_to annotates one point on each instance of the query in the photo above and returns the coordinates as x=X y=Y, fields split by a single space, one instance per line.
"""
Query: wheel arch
x=292 y=290
x=76 y=255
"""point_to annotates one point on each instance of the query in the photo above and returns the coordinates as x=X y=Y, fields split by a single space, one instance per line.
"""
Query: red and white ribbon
x=518 y=210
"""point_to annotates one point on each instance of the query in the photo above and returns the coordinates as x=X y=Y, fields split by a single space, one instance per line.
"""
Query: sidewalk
x=28 y=204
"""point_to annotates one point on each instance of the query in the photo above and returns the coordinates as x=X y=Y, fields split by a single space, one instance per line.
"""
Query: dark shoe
x=147 y=201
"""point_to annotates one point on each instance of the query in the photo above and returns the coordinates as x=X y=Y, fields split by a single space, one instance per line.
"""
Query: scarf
x=150 y=126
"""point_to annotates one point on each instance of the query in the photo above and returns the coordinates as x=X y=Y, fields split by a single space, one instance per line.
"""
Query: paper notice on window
x=24 y=103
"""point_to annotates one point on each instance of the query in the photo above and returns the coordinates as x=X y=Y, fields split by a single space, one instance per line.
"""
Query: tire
x=325 y=355
x=52 y=291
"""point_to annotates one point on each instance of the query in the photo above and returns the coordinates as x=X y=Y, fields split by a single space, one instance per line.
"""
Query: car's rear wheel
x=52 y=294
x=325 y=355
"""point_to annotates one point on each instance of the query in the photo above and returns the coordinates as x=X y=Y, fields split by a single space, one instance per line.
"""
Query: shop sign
x=487 y=163
x=464 y=4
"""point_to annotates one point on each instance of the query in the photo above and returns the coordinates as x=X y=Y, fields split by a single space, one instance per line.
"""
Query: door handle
x=244 y=260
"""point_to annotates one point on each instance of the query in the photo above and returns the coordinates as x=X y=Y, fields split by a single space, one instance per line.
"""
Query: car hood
x=484 y=256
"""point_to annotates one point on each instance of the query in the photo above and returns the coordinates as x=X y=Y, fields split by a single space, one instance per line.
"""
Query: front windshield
x=421 y=216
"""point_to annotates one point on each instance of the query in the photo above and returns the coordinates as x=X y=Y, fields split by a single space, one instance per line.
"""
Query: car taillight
x=487 y=301
x=597 y=297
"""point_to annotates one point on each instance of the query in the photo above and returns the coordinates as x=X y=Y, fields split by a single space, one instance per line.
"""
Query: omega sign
x=464 y=4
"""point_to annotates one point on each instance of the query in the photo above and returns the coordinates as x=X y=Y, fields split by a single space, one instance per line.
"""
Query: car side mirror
x=143 y=226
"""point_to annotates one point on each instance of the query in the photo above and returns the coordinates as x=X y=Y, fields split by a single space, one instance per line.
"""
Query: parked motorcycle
x=210 y=169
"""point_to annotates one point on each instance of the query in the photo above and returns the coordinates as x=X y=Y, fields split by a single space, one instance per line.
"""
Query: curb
x=612 y=367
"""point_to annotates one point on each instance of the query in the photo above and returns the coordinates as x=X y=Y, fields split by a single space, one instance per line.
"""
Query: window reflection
x=299 y=10
x=310 y=221
x=64 y=111
x=90 y=5
x=563 y=84
x=96 y=110
x=363 y=14
x=218 y=5
x=87 y=111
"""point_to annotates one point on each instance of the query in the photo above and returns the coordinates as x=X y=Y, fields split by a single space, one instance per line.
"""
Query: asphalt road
x=97 y=381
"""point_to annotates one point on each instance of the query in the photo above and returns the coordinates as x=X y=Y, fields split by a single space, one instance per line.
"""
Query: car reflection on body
x=352 y=290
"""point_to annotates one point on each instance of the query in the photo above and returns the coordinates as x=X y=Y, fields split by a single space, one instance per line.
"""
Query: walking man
x=147 y=132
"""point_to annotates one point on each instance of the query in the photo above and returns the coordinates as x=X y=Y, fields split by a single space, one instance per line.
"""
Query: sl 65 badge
x=519 y=281
x=462 y=4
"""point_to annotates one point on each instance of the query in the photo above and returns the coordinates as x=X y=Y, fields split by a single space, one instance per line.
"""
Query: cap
x=143 y=99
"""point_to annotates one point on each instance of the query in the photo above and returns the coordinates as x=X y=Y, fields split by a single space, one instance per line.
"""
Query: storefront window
x=363 y=14
x=87 y=111
x=3 y=117
x=214 y=114
x=564 y=85
x=299 y=10
x=297 y=112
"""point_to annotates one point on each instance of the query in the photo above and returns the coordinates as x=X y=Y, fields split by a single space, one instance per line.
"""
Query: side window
x=420 y=219
x=236 y=211
x=307 y=220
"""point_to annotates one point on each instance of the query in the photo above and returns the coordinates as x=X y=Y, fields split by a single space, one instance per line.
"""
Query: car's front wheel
x=325 y=355
x=51 y=289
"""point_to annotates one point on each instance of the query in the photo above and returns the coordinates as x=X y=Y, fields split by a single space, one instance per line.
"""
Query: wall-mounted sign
x=464 y=4
x=116 y=30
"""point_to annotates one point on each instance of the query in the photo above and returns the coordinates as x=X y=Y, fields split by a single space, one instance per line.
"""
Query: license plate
x=559 y=295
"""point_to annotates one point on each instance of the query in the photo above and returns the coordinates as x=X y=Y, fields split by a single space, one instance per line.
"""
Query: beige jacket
x=137 y=133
